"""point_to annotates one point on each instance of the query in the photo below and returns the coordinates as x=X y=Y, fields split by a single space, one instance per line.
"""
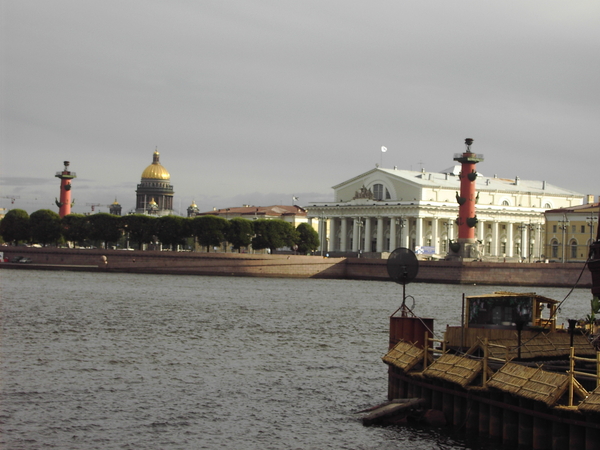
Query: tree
x=273 y=234
x=140 y=227
x=105 y=228
x=171 y=230
x=75 y=228
x=308 y=238
x=239 y=233
x=209 y=230
x=45 y=226
x=15 y=226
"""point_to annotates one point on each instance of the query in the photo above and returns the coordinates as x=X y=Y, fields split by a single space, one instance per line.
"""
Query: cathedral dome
x=156 y=171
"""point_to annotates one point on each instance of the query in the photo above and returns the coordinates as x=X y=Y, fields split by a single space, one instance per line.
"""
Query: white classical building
x=383 y=209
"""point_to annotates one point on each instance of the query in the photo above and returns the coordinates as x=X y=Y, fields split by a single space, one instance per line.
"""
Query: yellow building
x=570 y=231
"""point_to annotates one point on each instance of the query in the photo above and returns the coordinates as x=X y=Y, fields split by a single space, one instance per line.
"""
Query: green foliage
x=105 y=228
x=273 y=234
x=140 y=227
x=209 y=230
x=239 y=233
x=15 y=226
x=308 y=238
x=45 y=226
x=171 y=230
x=75 y=228
x=595 y=310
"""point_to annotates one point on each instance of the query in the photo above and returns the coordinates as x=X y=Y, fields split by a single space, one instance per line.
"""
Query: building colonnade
x=518 y=236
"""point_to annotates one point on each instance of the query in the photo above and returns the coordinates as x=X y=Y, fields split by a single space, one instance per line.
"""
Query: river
x=127 y=361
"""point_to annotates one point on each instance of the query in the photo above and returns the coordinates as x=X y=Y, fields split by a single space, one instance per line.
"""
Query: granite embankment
x=234 y=264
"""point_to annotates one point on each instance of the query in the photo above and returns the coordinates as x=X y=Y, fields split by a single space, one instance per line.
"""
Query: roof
x=455 y=369
x=592 y=402
x=404 y=356
x=258 y=211
x=449 y=179
x=582 y=209
x=533 y=383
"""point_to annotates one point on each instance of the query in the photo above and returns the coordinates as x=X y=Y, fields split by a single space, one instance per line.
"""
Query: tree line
x=46 y=227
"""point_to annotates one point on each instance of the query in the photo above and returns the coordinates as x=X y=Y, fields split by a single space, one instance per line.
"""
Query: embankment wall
x=295 y=266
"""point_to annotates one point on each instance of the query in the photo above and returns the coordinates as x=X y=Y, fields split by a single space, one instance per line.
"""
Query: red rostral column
x=467 y=199
x=64 y=205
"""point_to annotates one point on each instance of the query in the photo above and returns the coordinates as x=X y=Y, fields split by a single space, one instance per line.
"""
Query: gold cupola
x=155 y=171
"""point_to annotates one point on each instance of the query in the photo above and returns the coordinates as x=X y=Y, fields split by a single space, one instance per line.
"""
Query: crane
x=12 y=198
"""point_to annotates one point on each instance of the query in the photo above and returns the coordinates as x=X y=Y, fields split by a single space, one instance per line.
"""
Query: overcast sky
x=256 y=101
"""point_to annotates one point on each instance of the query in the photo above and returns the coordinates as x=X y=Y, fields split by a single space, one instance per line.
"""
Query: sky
x=257 y=101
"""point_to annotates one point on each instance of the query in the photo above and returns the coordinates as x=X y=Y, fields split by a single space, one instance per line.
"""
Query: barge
x=508 y=373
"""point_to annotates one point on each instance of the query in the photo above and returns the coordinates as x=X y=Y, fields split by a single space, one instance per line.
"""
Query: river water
x=127 y=361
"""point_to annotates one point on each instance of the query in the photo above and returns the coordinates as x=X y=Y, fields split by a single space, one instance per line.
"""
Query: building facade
x=571 y=231
x=383 y=209
x=154 y=194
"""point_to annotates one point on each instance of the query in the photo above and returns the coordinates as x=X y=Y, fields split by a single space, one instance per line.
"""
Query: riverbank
x=293 y=266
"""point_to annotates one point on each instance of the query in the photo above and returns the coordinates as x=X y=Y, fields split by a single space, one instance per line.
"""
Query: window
x=505 y=203
x=554 y=228
x=573 y=229
x=554 y=246
x=583 y=228
x=378 y=191
x=573 y=249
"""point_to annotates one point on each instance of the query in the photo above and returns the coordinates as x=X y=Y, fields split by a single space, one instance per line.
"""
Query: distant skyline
x=258 y=102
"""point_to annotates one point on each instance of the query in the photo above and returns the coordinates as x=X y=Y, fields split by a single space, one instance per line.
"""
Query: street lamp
x=522 y=227
x=590 y=222
x=323 y=234
x=564 y=225
x=400 y=223
x=359 y=224
x=448 y=225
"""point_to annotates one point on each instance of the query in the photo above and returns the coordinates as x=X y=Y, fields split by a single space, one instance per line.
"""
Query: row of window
x=574 y=229
x=380 y=192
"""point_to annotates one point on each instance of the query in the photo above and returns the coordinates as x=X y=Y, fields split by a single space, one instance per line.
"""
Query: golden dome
x=156 y=171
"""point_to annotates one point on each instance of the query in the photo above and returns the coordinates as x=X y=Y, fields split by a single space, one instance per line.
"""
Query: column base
x=464 y=248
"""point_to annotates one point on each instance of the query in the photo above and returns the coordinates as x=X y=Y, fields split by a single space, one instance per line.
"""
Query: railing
x=573 y=372
x=427 y=349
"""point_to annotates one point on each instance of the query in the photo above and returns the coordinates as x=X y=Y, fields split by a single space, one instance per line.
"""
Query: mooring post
x=592 y=435
x=541 y=427
x=525 y=421
x=577 y=437
x=496 y=418
x=484 y=419
x=560 y=436
x=510 y=422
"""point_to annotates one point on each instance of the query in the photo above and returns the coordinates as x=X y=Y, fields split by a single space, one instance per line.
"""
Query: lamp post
x=400 y=223
x=531 y=230
x=522 y=227
x=323 y=234
x=448 y=225
x=590 y=222
x=564 y=223
x=359 y=224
